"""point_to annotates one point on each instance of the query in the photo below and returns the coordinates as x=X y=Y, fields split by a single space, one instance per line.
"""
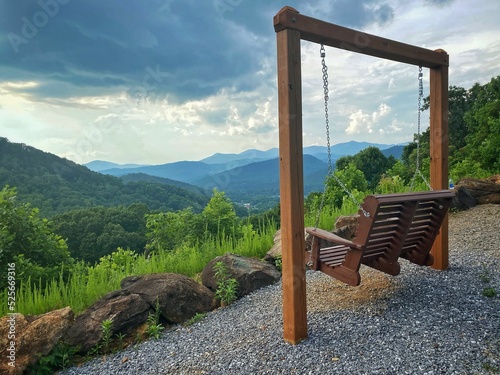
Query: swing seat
x=399 y=225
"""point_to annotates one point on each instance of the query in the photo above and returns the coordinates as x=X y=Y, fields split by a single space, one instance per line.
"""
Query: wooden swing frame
x=291 y=27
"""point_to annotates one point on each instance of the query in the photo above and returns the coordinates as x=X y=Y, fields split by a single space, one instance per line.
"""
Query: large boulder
x=35 y=337
x=251 y=274
x=126 y=310
x=179 y=297
x=463 y=200
x=483 y=190
x=346 y=226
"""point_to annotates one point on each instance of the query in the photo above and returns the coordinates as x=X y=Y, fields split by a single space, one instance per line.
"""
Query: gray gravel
x=421 y=322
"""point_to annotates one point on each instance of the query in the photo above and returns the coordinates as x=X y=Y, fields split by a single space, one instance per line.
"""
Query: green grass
x=329 y=216
x=86 y=285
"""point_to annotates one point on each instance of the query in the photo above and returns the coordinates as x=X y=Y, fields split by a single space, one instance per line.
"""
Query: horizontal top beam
x=332 y=35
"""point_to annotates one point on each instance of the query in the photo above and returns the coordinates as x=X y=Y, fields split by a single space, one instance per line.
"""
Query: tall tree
x=168 y=230
x=28 y=240
x=371 y=161
x=219 y=215
x=483 y=124
x=352 y=178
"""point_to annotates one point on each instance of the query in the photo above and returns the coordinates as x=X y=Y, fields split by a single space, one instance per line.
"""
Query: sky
x=159 y=81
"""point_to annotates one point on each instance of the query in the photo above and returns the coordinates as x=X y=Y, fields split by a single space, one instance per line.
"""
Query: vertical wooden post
x=291 y=186
x=439 y=153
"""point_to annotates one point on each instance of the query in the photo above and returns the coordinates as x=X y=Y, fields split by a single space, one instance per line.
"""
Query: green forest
x=74 y=249
x=55 y=185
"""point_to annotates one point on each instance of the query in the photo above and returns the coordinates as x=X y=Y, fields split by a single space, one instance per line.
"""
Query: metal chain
x=324 y=69
x=417 y=163
x=328 y=146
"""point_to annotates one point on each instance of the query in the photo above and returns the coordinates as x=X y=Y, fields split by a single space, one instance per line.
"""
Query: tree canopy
x=28 y=240
x=56 y=185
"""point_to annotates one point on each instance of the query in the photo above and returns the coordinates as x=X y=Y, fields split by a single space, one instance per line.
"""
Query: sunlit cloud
x=154 y=82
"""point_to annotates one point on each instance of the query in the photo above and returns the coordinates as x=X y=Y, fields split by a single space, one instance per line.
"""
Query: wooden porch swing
x=395 y=223
x=390 y=226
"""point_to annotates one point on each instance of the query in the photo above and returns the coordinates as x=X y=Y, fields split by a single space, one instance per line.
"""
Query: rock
x=34 y=337
x=462 y=199
x=483 y=190
x=179 y=296
x=250 y=273
x=346 y=226
x=127 y=310
x=275 y=251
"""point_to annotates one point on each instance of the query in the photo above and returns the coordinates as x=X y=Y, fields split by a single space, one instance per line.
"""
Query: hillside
x=261 y=176
x=258 y=183
x=251 y=176
x=56 y=185
x=135 y=177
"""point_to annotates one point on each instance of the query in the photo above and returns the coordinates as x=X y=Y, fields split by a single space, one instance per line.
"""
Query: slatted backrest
x=425 y=226
x=403 y=224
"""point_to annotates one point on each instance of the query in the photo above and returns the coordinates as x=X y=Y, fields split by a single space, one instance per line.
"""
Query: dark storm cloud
x=354 y=13
x=440 y=3
x=183 y=48
x=175 y=46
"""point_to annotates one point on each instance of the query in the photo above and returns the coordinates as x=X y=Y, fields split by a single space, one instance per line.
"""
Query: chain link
x=326 y=97
x=419 y=111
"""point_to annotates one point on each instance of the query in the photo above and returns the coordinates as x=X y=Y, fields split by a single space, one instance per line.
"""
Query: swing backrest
x=397 y=225
x=402 y=225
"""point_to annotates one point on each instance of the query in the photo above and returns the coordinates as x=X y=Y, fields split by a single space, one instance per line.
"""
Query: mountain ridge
x=55 y=185
x=191 y=171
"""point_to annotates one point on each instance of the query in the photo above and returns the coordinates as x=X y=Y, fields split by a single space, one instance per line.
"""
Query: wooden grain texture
x=291 y=27
x=332 y=35
x=403 y=225
x=439 y=139
x=291 y=186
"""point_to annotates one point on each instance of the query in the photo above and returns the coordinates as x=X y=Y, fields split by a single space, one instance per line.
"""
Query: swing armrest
x=331 y=237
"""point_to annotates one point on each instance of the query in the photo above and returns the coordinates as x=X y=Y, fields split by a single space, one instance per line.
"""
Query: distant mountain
x=249 y=173
x=185 y=171
x=262 y=178
x=395 y=151
x=245 y=157
x=350 y=148
x=134 y=177
x=100 y=165
x=55 y=185
x=320 y=152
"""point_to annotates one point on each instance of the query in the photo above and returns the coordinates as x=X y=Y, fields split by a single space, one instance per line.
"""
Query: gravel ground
x=421 y=322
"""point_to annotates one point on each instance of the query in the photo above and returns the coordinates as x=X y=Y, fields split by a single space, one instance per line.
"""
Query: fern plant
x=227 y=287
x=154 y=327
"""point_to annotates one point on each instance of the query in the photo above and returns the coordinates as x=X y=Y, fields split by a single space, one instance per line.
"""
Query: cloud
x=363 y=123
x=96 y=46
x=440 y=3
x=354 y=14
x=196 y=47
x=190 y=77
